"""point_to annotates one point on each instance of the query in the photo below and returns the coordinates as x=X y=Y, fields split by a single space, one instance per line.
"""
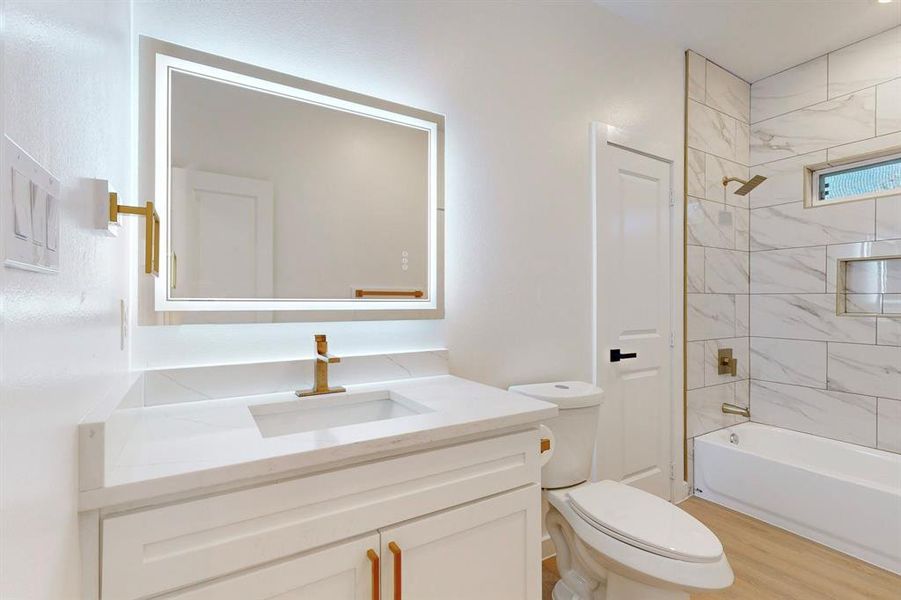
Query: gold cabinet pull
x=398 y=569
x=373 y=557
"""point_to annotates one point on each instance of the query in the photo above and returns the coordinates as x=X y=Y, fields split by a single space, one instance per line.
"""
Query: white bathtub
x=844 y=496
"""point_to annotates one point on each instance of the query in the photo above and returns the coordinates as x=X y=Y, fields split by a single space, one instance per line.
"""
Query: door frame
x=603 y=135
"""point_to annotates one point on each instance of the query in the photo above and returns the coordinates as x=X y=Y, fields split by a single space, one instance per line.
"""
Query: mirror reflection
x=272 y=197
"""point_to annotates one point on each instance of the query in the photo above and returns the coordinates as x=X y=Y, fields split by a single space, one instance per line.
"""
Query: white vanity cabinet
x=487 y=549
x=465 y=518
x=340 y=572
x=481 y=550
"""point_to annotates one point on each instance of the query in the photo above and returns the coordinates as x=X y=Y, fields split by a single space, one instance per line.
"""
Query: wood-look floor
x=773 y=564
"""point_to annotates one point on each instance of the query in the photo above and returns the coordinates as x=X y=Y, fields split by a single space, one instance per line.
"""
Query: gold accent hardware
x=726 y=365
x=746 y=184
x=320 y=371
x=398 y=569
x=731 y=409
x=151 y=229
x=373 y=557
x=685 y=181
x=545 y=445
x=389 y=293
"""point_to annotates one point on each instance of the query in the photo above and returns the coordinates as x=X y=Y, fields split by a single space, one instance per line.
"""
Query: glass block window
x=866 y=179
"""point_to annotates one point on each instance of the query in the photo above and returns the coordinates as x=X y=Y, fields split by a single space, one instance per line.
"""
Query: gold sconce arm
x=151 y=229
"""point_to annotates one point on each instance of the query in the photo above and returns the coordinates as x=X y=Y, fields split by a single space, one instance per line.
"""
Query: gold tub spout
x=731 y=409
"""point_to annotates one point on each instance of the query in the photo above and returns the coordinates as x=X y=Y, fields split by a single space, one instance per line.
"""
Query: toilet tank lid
x=565 y=394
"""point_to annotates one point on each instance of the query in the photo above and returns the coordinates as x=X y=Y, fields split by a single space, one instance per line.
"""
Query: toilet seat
x=627 y=558
x=644 y=521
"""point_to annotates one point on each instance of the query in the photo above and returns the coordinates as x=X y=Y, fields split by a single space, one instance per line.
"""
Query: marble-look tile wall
x=718 y=239
x=812 y=370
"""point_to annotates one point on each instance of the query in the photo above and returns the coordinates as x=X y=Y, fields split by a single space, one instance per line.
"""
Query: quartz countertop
x=175 y=448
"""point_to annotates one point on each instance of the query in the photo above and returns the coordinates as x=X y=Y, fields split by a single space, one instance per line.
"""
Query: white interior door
x=341 y=572
x=634 y=316
x=222 y=238
x=489 y=550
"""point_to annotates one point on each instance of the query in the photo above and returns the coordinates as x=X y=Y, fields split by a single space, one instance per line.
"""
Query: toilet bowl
x=613 y=541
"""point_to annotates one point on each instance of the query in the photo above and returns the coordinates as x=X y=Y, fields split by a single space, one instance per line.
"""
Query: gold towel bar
x=389 y=293
x=151 y=229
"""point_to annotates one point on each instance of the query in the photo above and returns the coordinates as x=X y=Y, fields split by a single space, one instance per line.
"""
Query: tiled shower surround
x=718 y=237
x=813 y=371
x=810 y=370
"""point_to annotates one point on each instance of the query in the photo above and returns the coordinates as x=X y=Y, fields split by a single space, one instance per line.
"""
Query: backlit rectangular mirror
x=276 y=193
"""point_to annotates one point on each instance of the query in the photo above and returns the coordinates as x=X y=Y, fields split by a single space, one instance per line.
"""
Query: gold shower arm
x=151 y=229
x=746 y=184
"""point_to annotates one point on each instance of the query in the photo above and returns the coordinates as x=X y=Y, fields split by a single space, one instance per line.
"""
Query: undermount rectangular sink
x=332 y=410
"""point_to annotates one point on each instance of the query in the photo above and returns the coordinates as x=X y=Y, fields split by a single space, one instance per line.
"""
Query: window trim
x=812 y=174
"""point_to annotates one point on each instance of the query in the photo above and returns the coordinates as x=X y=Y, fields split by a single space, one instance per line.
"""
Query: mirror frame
x=169 y=59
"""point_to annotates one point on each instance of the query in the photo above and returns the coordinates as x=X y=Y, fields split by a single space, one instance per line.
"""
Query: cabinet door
x=487 y=550
x=340 y=572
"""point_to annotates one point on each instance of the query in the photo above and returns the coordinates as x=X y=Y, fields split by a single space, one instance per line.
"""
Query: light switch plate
x=31 y=205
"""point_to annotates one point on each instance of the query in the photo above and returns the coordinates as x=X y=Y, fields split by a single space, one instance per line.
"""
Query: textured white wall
x=519 y=84
x=65 y=99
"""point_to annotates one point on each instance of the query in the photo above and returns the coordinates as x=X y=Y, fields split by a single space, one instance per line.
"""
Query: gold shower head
x=746 y=186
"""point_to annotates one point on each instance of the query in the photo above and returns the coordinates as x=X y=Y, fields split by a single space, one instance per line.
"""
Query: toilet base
x=619 y=588
x=586 y=573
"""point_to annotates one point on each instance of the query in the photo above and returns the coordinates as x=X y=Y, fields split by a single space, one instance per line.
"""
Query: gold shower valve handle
x=726 y=363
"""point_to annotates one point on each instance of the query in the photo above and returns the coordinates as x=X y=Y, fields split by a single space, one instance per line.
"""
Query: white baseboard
x=547 y=547
x=681 y=491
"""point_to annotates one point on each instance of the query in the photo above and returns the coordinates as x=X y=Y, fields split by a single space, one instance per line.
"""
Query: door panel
x=489 y=550
x=207 y=264
x=634 y=271
x=341 y=572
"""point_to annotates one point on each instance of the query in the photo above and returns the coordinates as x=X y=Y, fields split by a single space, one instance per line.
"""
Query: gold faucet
x=320 y=371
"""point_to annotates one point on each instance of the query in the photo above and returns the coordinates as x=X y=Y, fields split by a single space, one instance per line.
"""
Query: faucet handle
x=328 y=358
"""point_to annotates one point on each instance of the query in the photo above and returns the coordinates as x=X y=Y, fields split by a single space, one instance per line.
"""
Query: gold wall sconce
x=151 y=229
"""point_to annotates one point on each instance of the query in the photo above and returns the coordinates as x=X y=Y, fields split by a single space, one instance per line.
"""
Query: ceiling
x=756 y=38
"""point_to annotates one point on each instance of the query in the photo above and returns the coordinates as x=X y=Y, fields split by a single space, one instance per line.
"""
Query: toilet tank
x=574 y=429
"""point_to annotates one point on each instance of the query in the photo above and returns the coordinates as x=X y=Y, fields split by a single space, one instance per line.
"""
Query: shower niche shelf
x=868 y=286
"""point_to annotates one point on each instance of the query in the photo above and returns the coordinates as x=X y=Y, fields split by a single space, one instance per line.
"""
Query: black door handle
x=617 y=355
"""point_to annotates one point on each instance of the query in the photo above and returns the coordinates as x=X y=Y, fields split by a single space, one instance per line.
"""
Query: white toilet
x=613 y=541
